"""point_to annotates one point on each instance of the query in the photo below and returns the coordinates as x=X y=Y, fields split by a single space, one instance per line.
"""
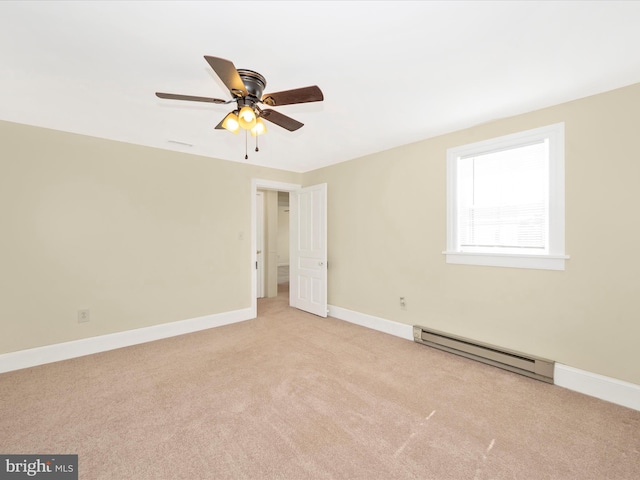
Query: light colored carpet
x=293 y=396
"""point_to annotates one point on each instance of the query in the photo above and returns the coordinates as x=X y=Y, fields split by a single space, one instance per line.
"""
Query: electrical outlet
x=403 y=303
x=83 y=316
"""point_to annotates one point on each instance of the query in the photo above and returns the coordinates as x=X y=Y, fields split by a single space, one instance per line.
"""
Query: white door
x=308 y=261
x=260 y=244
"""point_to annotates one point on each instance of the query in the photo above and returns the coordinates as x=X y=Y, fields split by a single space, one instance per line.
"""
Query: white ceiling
x=392 y=72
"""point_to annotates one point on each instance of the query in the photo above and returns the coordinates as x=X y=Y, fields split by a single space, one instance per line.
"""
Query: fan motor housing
x=253 y=82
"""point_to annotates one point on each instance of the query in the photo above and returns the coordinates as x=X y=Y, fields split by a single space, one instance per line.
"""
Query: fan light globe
x=231 y=123
x=259 y=129
x=247 y=118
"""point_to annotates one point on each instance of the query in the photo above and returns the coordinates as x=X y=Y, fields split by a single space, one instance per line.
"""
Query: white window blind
x=503 y=200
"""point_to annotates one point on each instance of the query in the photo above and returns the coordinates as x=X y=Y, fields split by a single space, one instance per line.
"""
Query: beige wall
x=283 y=235
x=139 y=236
x=142 y=236
x=387 y=231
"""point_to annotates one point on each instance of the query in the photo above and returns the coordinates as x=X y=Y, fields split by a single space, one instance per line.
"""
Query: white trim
x=606 y=388
x=87 y=346
x=391 y=327
x=592 y=384
x=257 y=183
x=260 y=243
x=540 y=262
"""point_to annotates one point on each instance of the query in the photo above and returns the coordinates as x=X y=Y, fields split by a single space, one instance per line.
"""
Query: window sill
x=538 y=262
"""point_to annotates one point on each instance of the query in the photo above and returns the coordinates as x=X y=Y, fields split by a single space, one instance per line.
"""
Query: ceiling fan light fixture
x=247 y=117
x=246 y=88
x=259 y=129
x=231 y=123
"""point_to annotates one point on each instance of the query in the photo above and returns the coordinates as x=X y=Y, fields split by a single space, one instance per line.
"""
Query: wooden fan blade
x=226 y=70
x=174 y=96
x=281 y=120
x=297 y=95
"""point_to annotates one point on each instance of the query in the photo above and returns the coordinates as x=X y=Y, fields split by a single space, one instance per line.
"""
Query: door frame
x=260 y=277
x=261 y=184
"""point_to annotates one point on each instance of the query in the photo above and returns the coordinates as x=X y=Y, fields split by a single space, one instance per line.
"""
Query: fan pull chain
x=257 y=149
x=246 y=143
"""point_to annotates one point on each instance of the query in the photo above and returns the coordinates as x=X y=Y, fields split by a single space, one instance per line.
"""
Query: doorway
x=272 y=242
x=308 y=244
x=283 y=243
x=271 y=188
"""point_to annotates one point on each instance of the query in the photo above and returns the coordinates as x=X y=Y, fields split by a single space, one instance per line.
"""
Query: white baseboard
x=391 y=327
x=87 y=346
x=606 y=388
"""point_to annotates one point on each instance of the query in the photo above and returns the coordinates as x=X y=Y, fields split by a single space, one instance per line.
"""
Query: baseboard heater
x=534 y=367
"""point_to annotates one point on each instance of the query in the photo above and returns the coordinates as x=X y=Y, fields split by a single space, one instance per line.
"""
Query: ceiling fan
x=246 y=88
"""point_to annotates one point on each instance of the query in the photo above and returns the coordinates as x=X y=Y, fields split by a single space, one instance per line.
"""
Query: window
x=505 y=201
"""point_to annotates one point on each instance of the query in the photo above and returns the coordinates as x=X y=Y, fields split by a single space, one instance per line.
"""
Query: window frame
x=555 y=257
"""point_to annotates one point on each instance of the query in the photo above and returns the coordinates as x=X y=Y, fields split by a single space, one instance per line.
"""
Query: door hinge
x=256 y=264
